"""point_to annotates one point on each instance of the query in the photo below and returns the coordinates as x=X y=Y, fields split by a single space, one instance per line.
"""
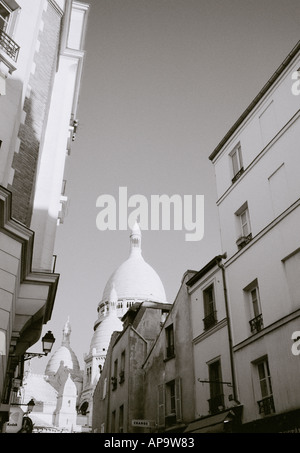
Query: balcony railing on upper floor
x=256 y=324
x=210 y=320
x=266 y=405
x=9 y=46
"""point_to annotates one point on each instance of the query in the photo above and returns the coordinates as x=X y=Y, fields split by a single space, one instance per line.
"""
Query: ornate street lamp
x=47 y=341
x=30 y=406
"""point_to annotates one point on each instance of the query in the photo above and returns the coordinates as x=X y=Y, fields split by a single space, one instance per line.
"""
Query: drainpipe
x=221 y=266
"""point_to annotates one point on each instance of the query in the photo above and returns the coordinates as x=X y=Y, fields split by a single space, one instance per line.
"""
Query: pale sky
x=163 y=82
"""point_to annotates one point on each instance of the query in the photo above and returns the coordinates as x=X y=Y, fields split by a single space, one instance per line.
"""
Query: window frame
x=170 y=341
x=254 y=306
x=209 y=306
x=7 y=22
x=216 y=391
x=11 y=6
x=264 y=387
x=236 y=162
x=122 y=370
x=121 y=418
x=242 y=237
x=245 y=223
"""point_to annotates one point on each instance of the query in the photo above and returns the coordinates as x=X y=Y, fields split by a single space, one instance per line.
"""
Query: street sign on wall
x=142 y=423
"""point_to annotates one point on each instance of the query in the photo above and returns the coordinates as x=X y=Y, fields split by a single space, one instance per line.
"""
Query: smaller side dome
x=102 y=335
x=64 y=354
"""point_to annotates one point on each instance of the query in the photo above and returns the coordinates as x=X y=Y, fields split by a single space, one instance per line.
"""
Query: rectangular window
x=237 y=163
x=170 y=398
x=216 y=401
x=113 y=421
x=169 y=403
x=121 y=419
x=122 y=371
x=210 y=314
x=245 y=223
x=173 y=402
x=7 y=24
x=5 y=13
x=170 y=341
x=253 y=299
x=114 y=379
x=266 y=404
x=244 y=226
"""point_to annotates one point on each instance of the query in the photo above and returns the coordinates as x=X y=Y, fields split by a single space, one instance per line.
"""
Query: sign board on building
x=142 y=423
x=14 y=423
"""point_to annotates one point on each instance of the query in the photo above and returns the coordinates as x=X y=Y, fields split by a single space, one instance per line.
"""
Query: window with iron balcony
x=7 y=19
x=256 y=321
x=243 y=225
x=237 y=163
x=256 y=324
x=266 y=404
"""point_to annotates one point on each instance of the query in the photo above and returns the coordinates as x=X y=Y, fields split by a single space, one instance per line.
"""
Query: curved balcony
x=10 y=47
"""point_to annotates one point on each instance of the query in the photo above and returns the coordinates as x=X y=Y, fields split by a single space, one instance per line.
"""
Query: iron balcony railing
x=266 y=405
x=9 y=46
x=256 y=324
x=210 y=320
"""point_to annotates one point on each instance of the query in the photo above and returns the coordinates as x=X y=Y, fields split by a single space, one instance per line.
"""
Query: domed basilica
x=65 y=393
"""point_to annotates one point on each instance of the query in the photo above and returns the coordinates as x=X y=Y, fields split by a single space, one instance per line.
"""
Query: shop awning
x=212 y=424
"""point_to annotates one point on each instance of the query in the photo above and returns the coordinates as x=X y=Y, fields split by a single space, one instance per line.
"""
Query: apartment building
x=217 y=408
x=41 y=60
x=258 y=198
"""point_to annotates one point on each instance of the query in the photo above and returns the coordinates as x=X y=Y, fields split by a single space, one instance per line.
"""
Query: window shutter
x=161 y=406
x=178 y=399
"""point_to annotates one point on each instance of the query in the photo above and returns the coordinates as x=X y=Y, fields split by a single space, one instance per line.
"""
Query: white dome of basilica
x=135 y=279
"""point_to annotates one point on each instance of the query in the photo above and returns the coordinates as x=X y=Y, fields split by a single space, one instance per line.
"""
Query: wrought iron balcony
x=256 y=324
x=266 y=405
x=210 y=320
x=216 y=403
x=9 y=46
